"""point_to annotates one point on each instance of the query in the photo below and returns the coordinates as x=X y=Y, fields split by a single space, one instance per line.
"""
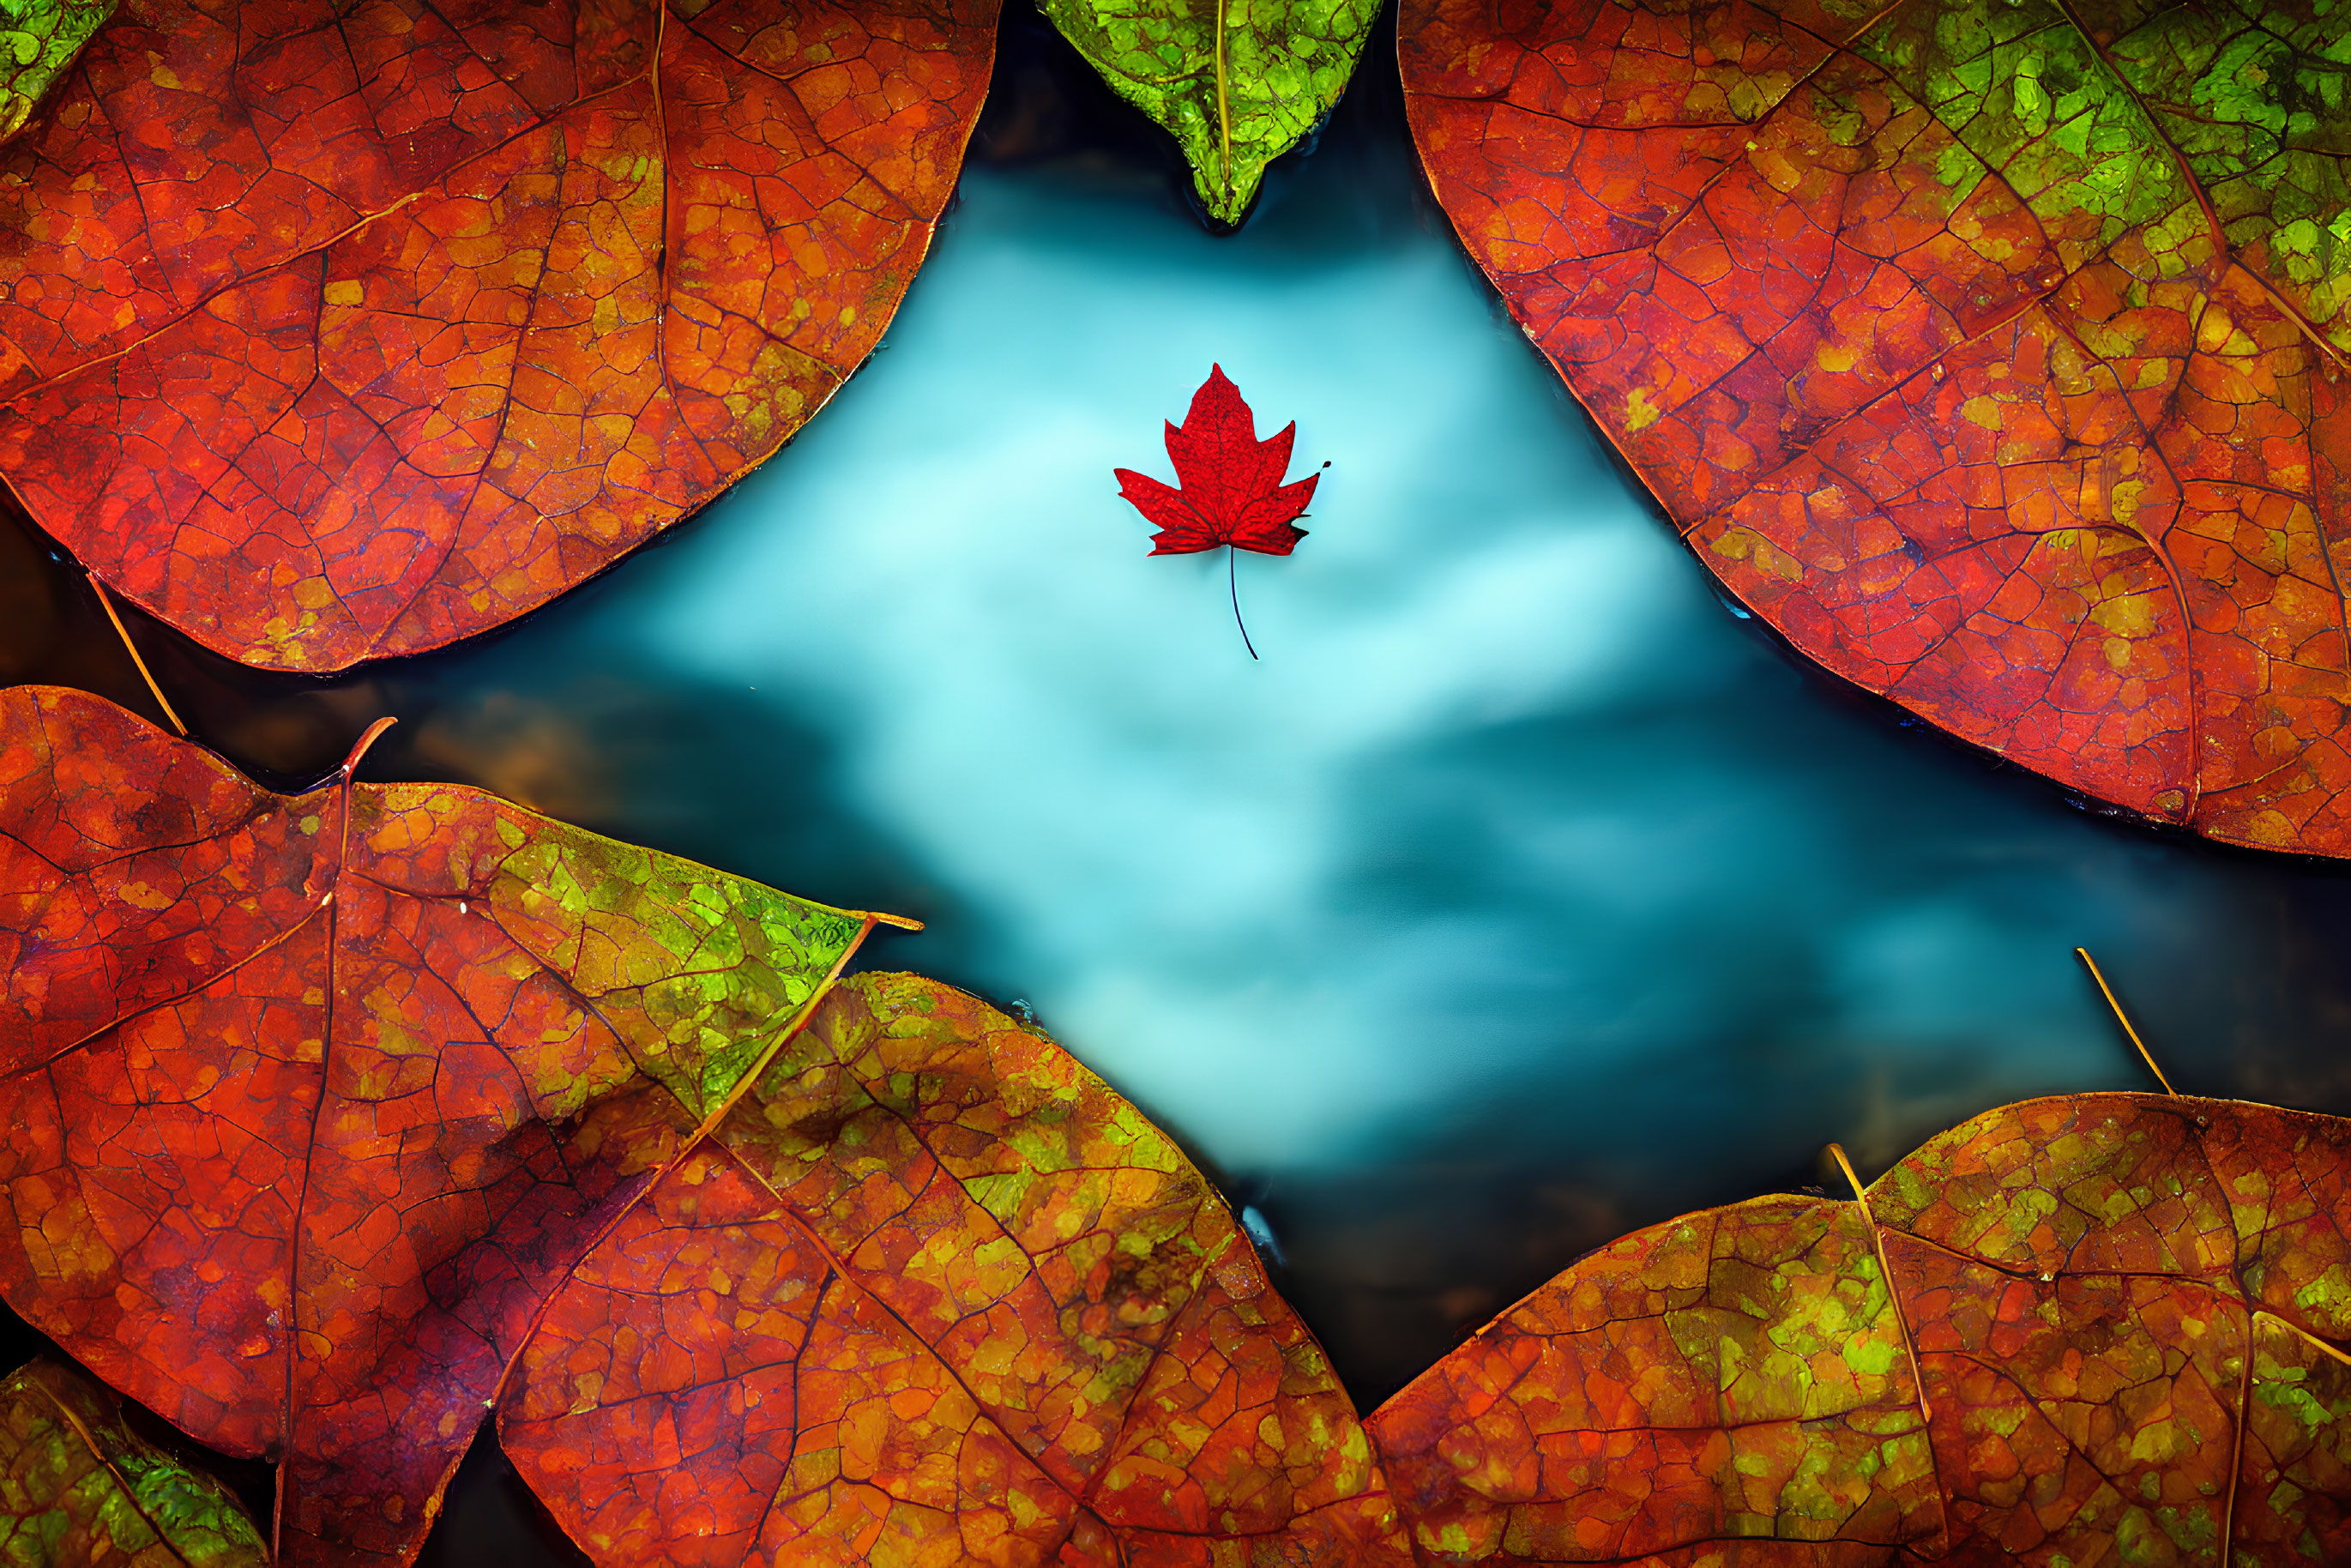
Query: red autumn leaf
x=314 y=1098
x=339 y=1115
x=2115 y=1333
x=933 y=1294
x=1994 y=353
x=1231 y=491
x=332 y=332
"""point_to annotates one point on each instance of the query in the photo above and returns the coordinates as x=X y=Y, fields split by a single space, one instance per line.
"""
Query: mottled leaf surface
x=1237 y=82
x=331 y=331
x=79 y=1489
x=1995 y=352
x=1230 y=488
x=38 y=39
x=932 y=1293
x=313 y=1099
x=2114 y=1335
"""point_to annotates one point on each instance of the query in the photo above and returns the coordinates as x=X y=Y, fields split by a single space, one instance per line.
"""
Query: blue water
x=1520 y=894
x=1509 y=810
x=1518 y=864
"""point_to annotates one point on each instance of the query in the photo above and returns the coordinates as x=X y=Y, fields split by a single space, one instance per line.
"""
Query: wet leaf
x=1229 y=489
x=1997 y=354
x=337 y=1119
x=78 y=1488
x=2114 y=1335
x=38 y=40
x=312 y=1099
x=1229 y=492
x=1237 y=85
x=932 y=1293
x=328 y=334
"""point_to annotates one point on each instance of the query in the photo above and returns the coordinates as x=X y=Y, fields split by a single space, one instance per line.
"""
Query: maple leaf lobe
x=1228 y=487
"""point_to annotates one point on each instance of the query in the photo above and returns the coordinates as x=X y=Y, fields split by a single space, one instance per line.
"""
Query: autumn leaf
x=339 y=1118
x=313 y=1099
x=1231 y=491
x=331 y=334
x=38 y=41
x=1994 y=353
x=2113 y=1334
x=867 y=1322
x=78 y=1486
x=932 y=1293
x=1237 y=86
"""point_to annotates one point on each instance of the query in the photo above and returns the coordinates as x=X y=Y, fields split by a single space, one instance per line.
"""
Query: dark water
x=1521 y=895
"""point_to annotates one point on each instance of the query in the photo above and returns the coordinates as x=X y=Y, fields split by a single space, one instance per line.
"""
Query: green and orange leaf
x=313 y=1099
x=39 y=40
x=932 y=1293
x=2113 y=1332
x=1995 y=353
x=78 y=1488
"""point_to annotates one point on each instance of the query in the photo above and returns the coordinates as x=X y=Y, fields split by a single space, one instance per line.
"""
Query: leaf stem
x=106 y=600
x=1233 y=581
x=2123 y=1018
x=1225 y=129
x=1893 y=1294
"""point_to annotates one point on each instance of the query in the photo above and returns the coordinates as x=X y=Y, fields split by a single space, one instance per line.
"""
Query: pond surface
x=1522 y=892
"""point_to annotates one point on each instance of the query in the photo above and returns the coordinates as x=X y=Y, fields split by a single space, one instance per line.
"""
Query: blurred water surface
x=1523 y=892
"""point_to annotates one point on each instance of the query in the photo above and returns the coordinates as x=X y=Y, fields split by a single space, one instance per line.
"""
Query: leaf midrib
x=1224 y=111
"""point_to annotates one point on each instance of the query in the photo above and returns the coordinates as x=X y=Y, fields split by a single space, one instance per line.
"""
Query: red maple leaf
x=1230 y=488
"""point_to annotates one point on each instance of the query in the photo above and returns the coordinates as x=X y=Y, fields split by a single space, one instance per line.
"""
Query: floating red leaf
x=329 y=332
x=1231 y=491
x=1994 y=354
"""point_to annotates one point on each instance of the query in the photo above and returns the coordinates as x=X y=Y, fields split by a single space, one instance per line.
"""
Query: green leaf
x=38 y=39
x=2256 y=98
x=79 y=1486
x=1237 y=82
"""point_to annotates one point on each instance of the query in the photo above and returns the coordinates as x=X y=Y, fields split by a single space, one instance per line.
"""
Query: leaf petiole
x=1233 y=581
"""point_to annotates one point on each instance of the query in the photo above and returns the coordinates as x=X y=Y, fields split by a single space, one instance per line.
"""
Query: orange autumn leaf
x=1997 y=352
x=933 y=1294
x=2115 y=1333
x=331 y=332
x=340 y=1118
x=313 y=1099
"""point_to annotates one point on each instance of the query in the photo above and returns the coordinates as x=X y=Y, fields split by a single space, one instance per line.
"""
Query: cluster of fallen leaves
x=1995 y=352
x=343 y=1120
